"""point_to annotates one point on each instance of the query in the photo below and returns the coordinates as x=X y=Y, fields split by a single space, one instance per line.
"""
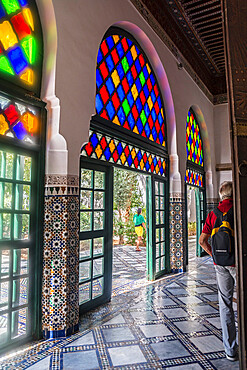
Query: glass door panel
x=17 y=245
x=95 y=265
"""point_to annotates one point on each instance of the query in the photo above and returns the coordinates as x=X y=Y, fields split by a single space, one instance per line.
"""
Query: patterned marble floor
x=172 y=323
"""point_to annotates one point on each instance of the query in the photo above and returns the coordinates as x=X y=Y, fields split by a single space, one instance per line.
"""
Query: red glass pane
x=115 y=56
x=89 y=149
x=125 y=85
x=151 y=122
x=152 y=167
x=156 y=90
x=136 y=162
x=104 y=94
x=104 y=47
x=133 y=71
x=104 y=114
x=125 y=44
x=103 y=70
x=141 y=60
x=103 y=143
x=156 y=107
x=115 y=101
x=127 y=151
x=135 y=112
x=126 y=125
x=11 y=114
x=142 y=97
x=115 y=156
x=149 y=84
x=145 y=157
x=20 y=26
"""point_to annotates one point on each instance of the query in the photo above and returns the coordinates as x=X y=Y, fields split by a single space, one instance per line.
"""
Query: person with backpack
x=139 y=222
x=220 y=226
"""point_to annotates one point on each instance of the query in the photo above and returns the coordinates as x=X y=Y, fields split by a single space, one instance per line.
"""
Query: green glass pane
x=10 y=5
x=6 y=165
x=99 y=220
x=20 y=261
x=99 y=180
x=86 y=178
x=85 y=248
x=23 y=197
x=85 y=221
x=20 y=292
x=4 y=295
x=6 y=190
x=84 y=292
x=125 y=64
x=99 y=199
x=21 y=226
x=84 y=271
x=98 y=245
x=86 y=199
x=18 y=322
x=5 y=66
x=4 y=263
x=143 y=117
x=24 y=168
x=98 y=287
x=142 y=78
x=30 y=49
x=98 y=267
x=126 y=107
x=157 y=235
x=5 y=225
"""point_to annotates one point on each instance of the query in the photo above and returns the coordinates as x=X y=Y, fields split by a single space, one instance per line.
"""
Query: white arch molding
x=56 y=146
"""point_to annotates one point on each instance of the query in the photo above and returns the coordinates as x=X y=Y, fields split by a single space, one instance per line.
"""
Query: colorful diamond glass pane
x=133 y=99
x=193 y=140
x=19 y=46
x=194 y=178
x=110 y=149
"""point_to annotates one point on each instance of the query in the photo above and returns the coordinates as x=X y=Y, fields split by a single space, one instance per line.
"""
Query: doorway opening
x=129 y=267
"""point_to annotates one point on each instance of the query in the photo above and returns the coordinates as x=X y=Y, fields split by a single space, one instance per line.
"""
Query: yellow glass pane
x=115 y=78
x=148 y=68
x=150 y=103
x=133 y=153
x=7 y=35
x=134 y=92
x=151 y=137
x=133 y=52
x=3 y=125
x=28 y=17
x=28 y=76
x=135 y=130
x=142 y=164
x=116 y=120
x=161 y=110
x=157 y=168
x=30 y=122
x=112 y=146
x=150 y=159
x=123 y=158
x=98 y=151
x=115 y=38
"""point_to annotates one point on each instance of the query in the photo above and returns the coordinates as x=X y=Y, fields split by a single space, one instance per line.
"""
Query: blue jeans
x=226 y=278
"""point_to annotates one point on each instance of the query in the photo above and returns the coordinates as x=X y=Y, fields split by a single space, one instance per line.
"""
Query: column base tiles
x=171 y=324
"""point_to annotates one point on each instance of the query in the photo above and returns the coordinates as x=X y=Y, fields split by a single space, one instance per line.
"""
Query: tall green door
x=158 y=257
x=96 y=222
x=18 y=242
x=200 y=217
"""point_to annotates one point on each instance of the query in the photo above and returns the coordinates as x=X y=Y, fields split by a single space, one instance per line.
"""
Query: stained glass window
x=194 y=178
x=112 y=150
x=127 y=92
x=19 y=44
x=193 y=140
x=18 y=120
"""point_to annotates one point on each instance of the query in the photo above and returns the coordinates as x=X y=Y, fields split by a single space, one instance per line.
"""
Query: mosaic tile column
x=177 y=233
x=60 y=291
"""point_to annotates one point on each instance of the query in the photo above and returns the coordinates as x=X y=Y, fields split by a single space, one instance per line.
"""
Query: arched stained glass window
x=193 y=140
x=20 y=44
x=127 y=92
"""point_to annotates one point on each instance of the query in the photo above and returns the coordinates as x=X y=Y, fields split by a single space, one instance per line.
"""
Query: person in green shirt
x=139 y=225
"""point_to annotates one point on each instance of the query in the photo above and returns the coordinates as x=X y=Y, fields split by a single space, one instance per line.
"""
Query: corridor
x=172 y=323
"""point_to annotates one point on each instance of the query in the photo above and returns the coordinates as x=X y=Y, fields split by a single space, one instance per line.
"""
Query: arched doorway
x=195 y=189
x=22 y=138
x=128 y=131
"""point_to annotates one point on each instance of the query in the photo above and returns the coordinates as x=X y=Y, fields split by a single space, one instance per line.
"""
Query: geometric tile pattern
x=18 y=52
x=126 y=89
x=194 y=178
x=172 y=323
x=193 y=140
x=60 y=300
x=176 y=234
x=114 y=151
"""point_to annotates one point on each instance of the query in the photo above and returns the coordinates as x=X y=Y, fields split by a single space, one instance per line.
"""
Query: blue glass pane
x=94 y=140
x=130 y=99
x=146 y=109
x=110 y=109
x=110 y=42
x=153 y=96
x=23 y=2
x=129 y=42
x=145 y=71
x=161 y=137
x=110 y=86
x=98 y=104
x=131 y=121
x=121 y=115
x=99 y=80
x=120 y=50
x=99 y=57
x=154 y=133
x=153 y=114
x=120 y=71
x=17 y=59
x=159 y=101
x=139 y=125
x=2 y=12
x=155 y=161
x=121 y=93
x=147 y=130
x=110 y=63
x=129 y=58
x=119 y=148
x=152 y=79
x=146 y=91
x=161 y=170
x=139 y=155
x=160 y=119
x=107 y=154
x=130 y=78
x=138 y=66
x=129 y=160
x=139 y=105
x=20 y=131
x=147 y=165
x=138 y=85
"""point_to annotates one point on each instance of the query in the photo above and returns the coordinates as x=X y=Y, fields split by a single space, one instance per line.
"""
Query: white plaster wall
x=81 y=26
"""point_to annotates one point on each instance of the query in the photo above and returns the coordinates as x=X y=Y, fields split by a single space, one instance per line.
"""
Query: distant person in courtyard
x=139 y=225
x=219 y=225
